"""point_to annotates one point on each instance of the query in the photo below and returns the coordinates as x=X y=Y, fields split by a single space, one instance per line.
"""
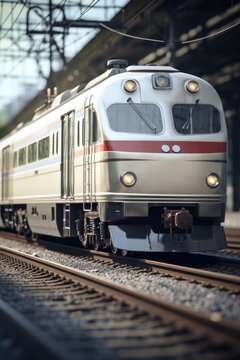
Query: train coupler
x=177 y=220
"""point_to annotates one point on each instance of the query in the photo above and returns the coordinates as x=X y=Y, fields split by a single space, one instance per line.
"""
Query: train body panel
x=136 y=146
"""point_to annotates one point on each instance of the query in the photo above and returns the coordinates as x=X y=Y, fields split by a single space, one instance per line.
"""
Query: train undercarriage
x=165 y=228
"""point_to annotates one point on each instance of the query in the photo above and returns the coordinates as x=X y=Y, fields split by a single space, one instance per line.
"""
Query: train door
x=90 y=137
x=67 y=176
x=6 y=173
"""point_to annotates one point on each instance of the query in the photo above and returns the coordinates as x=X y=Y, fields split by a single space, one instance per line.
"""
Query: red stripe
x=192 y=147
x=186 y=147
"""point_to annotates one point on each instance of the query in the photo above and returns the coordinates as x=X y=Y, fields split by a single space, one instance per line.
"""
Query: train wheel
x=83 y=236
x=114 y=249
x=96 y=243
x=124 y=252
x=84 y=241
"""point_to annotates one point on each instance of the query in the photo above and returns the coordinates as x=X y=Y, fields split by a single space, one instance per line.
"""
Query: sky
x=24 y=58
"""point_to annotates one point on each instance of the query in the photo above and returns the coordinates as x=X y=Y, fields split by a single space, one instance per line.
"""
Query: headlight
x=128 y=178
x=192 y=86
x=130 y=86
x=212 y=180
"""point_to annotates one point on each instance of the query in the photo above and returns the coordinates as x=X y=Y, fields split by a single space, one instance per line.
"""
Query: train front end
x=165 y=166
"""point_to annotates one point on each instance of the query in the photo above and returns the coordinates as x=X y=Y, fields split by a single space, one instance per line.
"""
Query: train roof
x=115 y=67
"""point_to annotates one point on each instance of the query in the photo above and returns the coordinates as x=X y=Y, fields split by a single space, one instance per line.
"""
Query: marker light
x=130 y=86
x=192 y=86
x=128 y=178
x=161 y=81
x=212 y=180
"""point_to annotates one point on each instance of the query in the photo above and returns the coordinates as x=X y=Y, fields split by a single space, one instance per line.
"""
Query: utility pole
x=49 y=82
x=53 y=27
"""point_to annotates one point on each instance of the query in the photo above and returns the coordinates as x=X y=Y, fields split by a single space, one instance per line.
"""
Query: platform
x=232 y=220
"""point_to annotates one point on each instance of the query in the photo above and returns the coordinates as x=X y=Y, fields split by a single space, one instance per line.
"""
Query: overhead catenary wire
x=8 y=16
x=90 y=6
x=211 y=35
x=43 y=46
x=164 y=41
x=20 y=37
x=16 y=19
x=130 y=36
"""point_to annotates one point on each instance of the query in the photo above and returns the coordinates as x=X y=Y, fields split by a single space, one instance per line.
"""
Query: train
x=135 y=160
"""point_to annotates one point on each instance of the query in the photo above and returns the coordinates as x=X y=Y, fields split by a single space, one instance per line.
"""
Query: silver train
x=136 y=160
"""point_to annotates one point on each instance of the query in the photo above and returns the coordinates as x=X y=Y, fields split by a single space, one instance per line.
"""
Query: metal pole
x=50 y=84
x=171 y=32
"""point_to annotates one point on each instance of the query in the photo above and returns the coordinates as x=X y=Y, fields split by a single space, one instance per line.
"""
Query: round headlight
x=212 y=180
x=192 y=86
x=128 y=178
x=130 y=86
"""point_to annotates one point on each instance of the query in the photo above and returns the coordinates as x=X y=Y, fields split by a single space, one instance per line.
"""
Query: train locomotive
x=136 y=161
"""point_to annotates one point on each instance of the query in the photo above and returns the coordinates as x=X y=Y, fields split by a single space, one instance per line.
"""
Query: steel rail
x=34 y=342
x=199 y=322
x=215 y=279
x=230 y=282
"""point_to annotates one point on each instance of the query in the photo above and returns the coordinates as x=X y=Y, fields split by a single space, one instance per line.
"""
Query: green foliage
x=2 y=124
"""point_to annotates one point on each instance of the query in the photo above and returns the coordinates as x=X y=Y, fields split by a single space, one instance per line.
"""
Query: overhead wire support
x=14 y=22
x=85 y=24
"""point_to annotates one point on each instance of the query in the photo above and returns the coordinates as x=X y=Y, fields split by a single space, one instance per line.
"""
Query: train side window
x=53 y=144
x=83 y=131
x=95 y=127
x=90 y=127
x=32 y=152
x=43 y=148
x=57 y=142
x=22 y=156
x=53 y=213
x=15 y=159
x=78 y=133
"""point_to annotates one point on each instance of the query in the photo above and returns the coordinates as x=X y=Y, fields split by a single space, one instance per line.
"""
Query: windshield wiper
x=142 y=116
x=187 y=122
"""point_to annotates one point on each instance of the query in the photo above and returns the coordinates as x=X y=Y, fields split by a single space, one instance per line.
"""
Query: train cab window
x=196 y=119
x=135 y=118
x=22 y=156
x=43 y=148
x=32 y=152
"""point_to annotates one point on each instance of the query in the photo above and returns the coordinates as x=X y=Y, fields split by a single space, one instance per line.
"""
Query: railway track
x=98 y=319
x=24 y=340
x=169 y=267
x=209 y=278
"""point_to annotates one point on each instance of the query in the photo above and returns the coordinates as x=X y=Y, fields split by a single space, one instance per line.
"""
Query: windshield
x=196 y=119
x=135 y=118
